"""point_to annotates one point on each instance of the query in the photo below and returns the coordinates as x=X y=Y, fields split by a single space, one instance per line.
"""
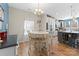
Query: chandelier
x=38 y=11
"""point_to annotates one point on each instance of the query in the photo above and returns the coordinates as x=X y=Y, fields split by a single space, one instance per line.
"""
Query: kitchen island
x=70 y=38
x=8 y=48
x=38 y=44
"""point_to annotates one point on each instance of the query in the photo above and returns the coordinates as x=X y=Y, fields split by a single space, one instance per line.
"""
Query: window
x=28 y=26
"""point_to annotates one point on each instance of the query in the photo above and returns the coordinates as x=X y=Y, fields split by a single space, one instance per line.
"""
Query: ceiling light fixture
x=72 y=15
x=38 y=11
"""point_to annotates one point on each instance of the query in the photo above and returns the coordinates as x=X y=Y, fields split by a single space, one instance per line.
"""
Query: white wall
x=16 y=21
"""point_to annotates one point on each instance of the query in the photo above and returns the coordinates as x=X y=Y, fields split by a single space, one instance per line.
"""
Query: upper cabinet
x=4 y=17
x=72 y=24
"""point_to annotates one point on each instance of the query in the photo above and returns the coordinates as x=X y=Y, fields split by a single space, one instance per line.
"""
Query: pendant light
x=74 y=22
x=72 y=13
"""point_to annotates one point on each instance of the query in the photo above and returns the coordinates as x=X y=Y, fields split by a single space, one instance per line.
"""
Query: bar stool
x=72 y=41
x=77 y=43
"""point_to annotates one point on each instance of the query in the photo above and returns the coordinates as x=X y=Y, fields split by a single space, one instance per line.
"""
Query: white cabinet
x=9 y=51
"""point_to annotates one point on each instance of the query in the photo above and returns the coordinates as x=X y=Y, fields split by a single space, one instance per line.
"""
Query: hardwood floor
x=56 y=49
x=23 y=49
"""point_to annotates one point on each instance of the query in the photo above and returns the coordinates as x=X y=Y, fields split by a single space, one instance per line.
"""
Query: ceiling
x=57 y=10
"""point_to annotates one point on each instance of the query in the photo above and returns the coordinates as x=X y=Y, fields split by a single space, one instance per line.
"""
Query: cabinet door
x=60 y=39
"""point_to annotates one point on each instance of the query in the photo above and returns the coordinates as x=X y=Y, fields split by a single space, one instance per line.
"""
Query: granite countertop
x=39 y=32
x=10 y=42
x=70 y=31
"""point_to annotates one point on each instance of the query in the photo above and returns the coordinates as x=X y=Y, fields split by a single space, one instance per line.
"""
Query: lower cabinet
x=10 y=51
x=71 y=39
